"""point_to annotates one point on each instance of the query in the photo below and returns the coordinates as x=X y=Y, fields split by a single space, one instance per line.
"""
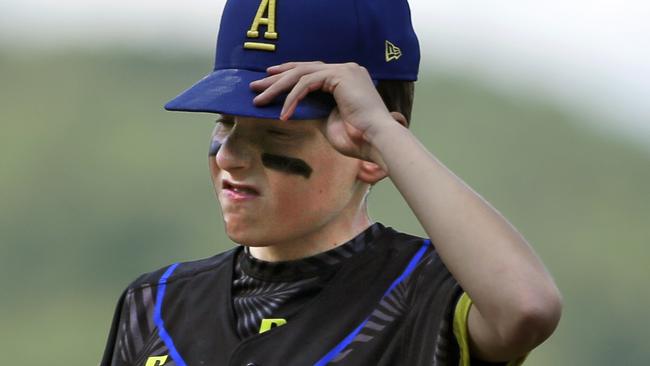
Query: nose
x=235 y=154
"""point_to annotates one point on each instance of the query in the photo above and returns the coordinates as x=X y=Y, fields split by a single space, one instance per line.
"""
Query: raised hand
x=359 y=112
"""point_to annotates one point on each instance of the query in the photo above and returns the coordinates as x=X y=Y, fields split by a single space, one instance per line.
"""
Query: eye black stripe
x=214 y=148
x=286 y=164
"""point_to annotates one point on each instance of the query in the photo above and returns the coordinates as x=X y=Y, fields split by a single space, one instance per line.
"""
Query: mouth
x=238 y=190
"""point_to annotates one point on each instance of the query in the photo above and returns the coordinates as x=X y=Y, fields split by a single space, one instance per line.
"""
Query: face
x=278 y=181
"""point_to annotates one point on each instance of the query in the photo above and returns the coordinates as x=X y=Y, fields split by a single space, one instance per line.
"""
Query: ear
x=397 y=116
x=372 y=173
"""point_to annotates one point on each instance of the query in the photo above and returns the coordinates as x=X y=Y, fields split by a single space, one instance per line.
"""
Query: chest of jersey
x=385 y=307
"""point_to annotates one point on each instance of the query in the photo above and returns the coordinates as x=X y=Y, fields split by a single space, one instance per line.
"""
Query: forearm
x=491 y=260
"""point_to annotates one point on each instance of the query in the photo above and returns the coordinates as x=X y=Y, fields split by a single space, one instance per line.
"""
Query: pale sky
x=592 y=57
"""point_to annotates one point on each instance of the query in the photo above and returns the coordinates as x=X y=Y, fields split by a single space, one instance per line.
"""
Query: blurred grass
x=98 y=184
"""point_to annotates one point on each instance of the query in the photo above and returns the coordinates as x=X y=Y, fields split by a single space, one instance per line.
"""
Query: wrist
x=381 y=127
x=383 y=130
x=381 y=133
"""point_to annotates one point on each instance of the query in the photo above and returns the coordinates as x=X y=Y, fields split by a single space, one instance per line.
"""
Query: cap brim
x=227 y=91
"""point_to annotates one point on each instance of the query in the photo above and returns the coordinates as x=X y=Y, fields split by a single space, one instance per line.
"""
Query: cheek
x=295 y=199
x=300 y=198
x=214 y=168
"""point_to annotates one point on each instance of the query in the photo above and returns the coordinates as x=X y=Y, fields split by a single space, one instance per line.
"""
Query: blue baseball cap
x=256 y=34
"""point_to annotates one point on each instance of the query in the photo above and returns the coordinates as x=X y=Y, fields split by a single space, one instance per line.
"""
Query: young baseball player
x=314 y=103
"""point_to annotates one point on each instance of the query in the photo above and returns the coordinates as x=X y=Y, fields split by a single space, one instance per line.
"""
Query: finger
x=282 y=83
x=262 y=84
x=275 y=69
x=305 y=85
x=285 y=82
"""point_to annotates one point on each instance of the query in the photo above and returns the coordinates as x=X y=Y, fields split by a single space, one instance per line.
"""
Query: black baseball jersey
x=265 y=294
x=383 y=298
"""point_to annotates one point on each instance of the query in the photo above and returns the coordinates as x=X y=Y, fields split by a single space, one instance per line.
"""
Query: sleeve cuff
x=461 y=314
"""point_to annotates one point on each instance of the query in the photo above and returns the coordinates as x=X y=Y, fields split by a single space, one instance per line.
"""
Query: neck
x=330 y=235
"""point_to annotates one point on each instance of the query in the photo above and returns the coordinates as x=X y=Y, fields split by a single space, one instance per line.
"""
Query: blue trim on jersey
x=347 y=340
x=157 y=317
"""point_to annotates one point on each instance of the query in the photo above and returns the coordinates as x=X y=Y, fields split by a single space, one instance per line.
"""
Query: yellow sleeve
x=461 y=314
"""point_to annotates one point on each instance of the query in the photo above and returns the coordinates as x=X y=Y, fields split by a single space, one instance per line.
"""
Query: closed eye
x=282 y=133
x=278 y=133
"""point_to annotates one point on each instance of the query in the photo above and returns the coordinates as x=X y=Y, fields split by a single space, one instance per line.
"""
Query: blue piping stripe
x=411 y=266
x=157 y=317
x=347 y=340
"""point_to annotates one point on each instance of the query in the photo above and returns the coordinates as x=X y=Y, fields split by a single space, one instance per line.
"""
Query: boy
x=314 y=281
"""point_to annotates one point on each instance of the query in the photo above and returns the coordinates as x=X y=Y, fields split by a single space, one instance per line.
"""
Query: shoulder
x=426 y=261
x=180 y=270
x=426 y=281
x=404 y=243
x=135 y=319
x=430 y=293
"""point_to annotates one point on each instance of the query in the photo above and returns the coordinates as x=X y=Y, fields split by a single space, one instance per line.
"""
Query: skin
x=286 y=164
x=516 y=302
x=318 y=213
x=280 y=163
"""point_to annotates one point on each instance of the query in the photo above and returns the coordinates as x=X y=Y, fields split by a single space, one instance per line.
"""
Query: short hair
x=398 y=96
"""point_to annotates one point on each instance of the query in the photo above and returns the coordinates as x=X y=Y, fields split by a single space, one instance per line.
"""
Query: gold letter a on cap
x=253 y=32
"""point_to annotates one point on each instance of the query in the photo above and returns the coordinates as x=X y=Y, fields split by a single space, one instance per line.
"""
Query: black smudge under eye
x=214 y=148
x=286 y=164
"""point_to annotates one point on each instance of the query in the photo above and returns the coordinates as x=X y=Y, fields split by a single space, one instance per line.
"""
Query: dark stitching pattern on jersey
x=147 y=350
x=283 y=289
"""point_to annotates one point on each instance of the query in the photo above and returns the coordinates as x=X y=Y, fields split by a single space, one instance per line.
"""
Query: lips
x=239 y=189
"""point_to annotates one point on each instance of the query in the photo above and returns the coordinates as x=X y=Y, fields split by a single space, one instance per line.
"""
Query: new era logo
x=392 y=52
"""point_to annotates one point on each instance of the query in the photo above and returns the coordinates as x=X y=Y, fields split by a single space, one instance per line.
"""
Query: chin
x=246 y=234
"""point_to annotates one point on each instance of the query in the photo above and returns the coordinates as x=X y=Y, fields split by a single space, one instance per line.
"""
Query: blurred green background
x=98 y=184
